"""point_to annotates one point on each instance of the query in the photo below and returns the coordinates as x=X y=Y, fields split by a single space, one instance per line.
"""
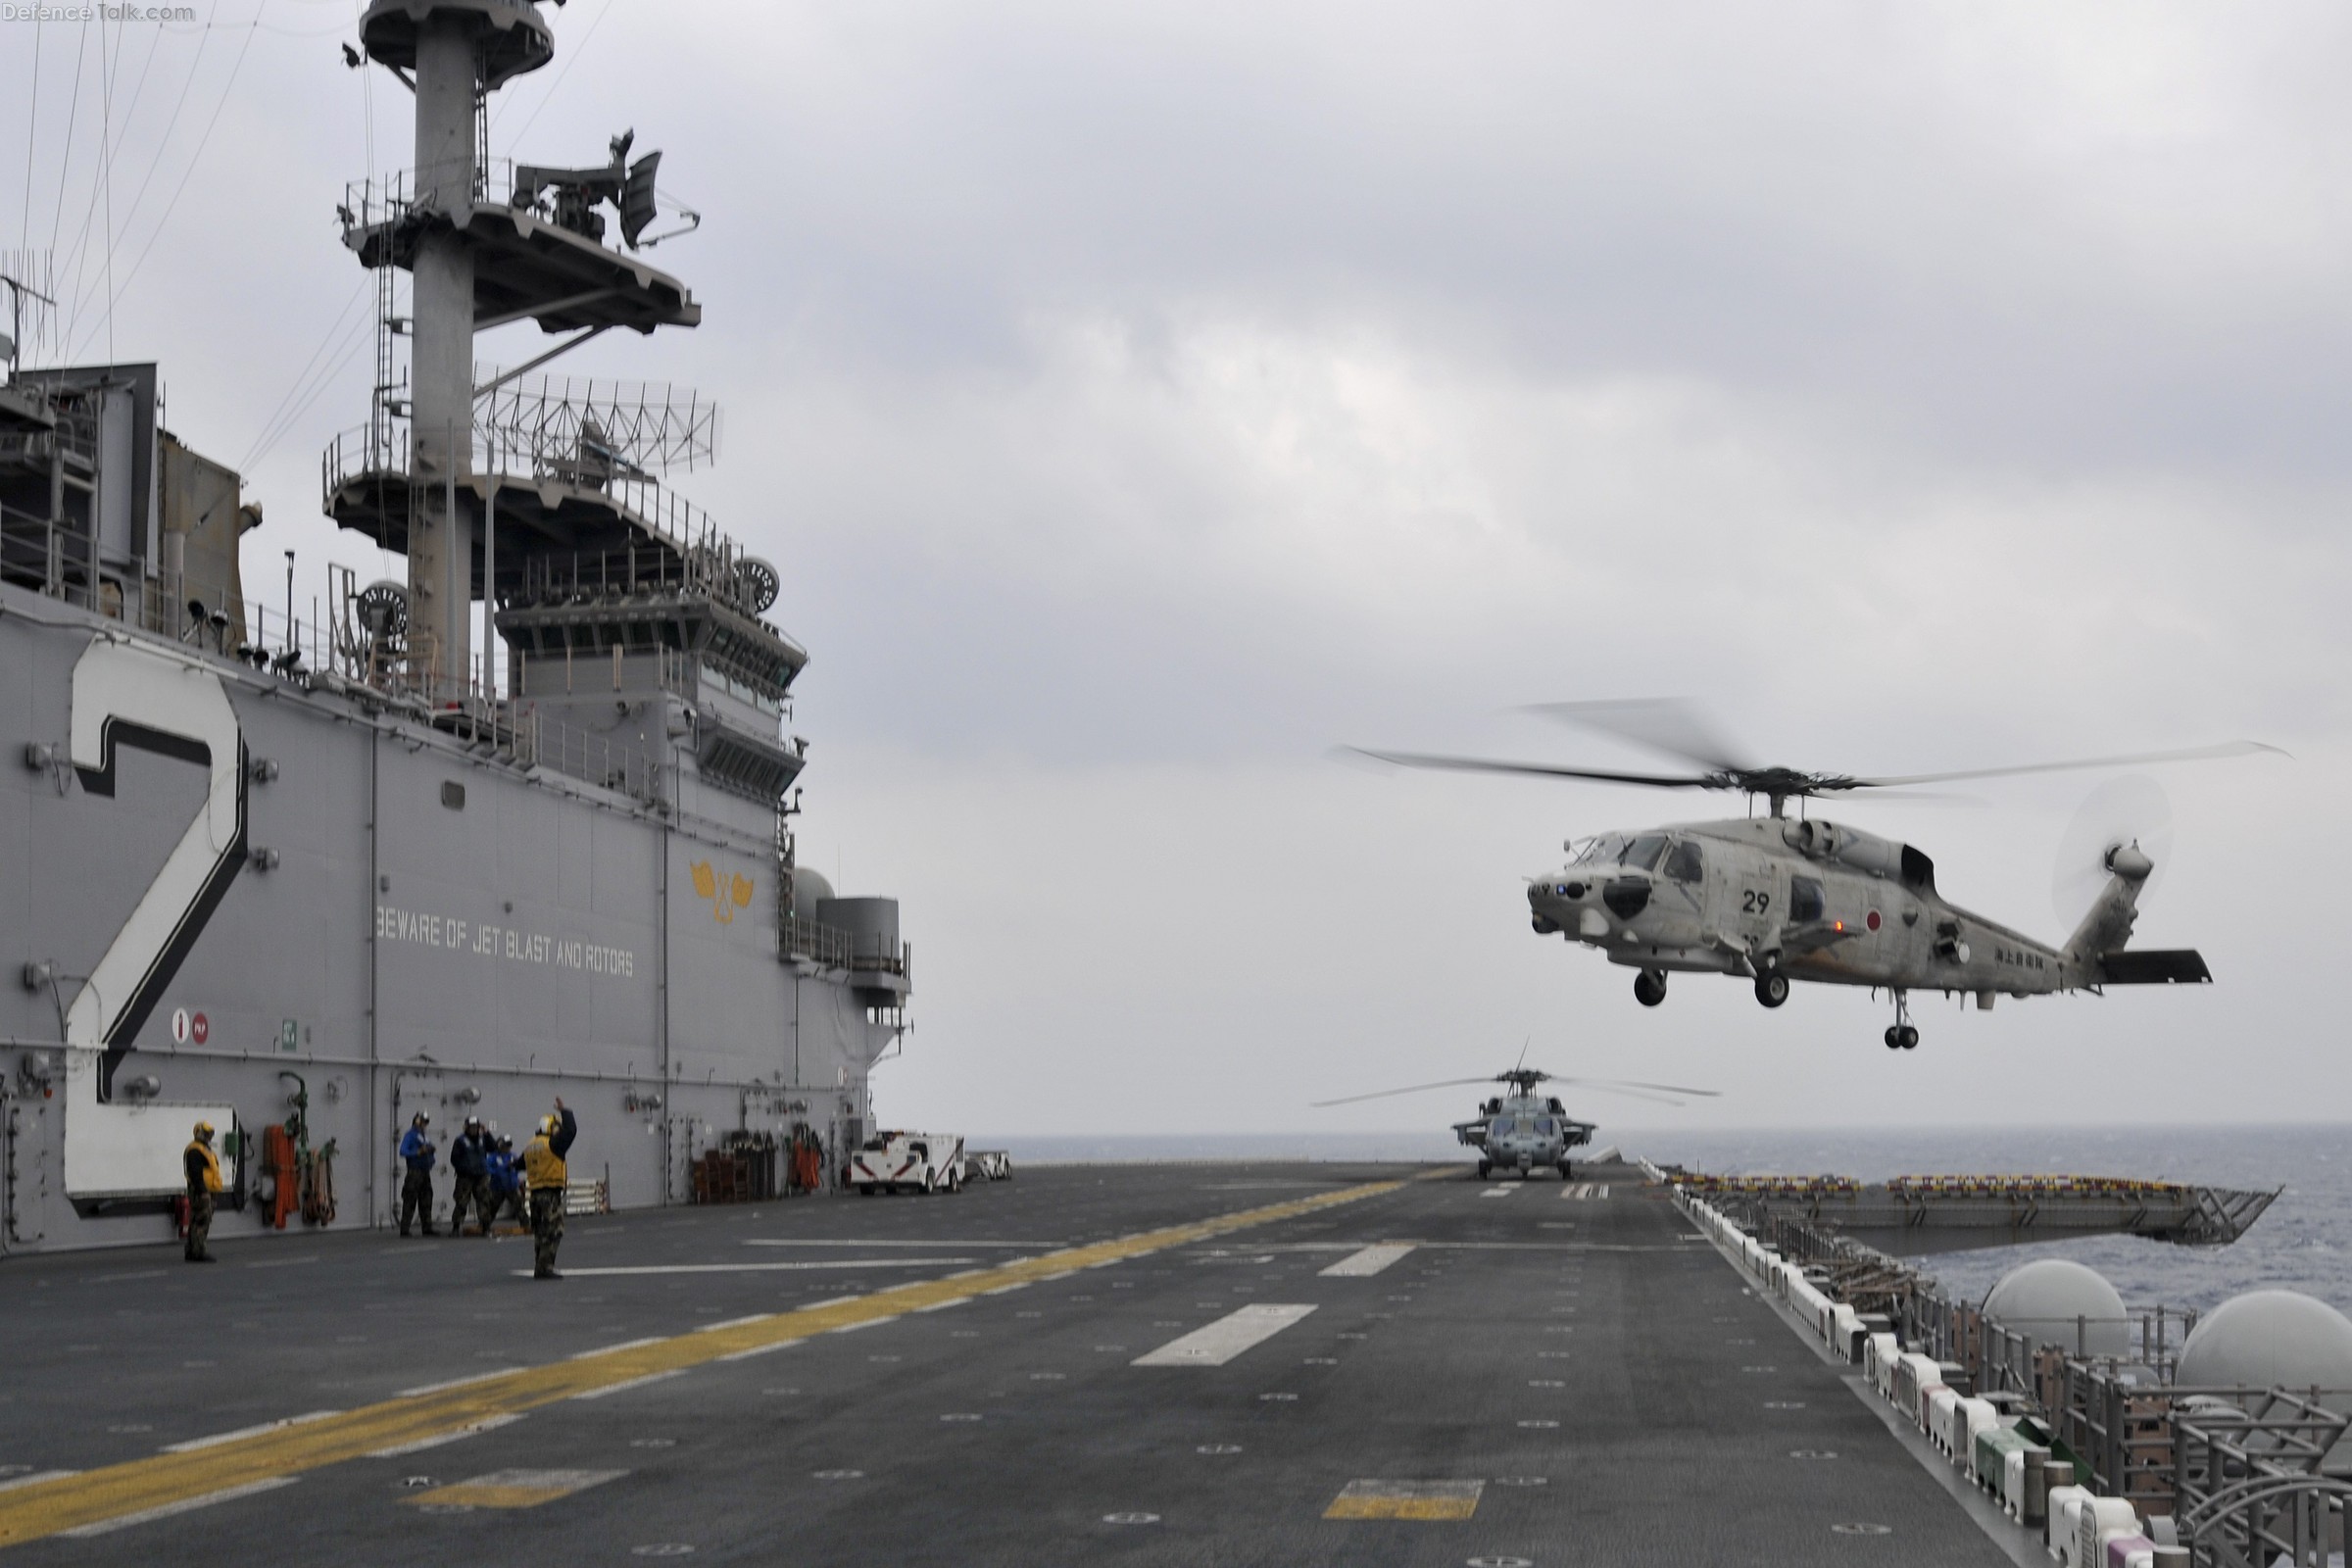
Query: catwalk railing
x=2239 y=1470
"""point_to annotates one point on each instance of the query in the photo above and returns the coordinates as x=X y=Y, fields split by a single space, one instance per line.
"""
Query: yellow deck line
x=30 y=1512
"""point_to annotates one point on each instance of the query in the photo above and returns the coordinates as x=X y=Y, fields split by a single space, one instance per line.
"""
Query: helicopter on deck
x=1775 y=900
x=1522 y=1130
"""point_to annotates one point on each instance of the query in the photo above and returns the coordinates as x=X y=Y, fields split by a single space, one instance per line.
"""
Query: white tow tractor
x=917 y=1163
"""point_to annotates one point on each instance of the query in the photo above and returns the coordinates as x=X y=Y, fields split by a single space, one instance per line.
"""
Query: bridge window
x=1643 y=854
x=1805 y=900
x=1684 y=864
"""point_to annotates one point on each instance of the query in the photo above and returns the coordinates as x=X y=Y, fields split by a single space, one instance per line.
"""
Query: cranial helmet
x=548 y=1124
x=422 y=1118
x=204 y=1132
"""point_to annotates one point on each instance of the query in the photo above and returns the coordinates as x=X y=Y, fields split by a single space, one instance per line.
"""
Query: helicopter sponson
x=1775 y=900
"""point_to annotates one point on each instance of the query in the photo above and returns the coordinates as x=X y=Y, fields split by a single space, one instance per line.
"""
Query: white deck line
x=784 y=1241
x=760 y=1350
x=488 y=1423
x=424 y=1389
x=627 y=1384
x=608 y=1350
x=35 y=1478
x=756 y=1268
x=184 y=1505
x=1216 y=1344
x=1371 y=1260
x=218 y=1438
x=1504 y=1191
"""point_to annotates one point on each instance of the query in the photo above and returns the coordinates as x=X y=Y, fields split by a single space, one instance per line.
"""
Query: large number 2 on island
x=125 y=695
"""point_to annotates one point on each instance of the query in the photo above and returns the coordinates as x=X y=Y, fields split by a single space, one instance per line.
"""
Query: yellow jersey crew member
x=544 y=1174
x=202 y=1168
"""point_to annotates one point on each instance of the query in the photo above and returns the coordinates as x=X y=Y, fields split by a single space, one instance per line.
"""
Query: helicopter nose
x=1554 y=887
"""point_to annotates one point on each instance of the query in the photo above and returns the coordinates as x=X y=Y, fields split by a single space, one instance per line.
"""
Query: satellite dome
x=808 y=889
x=2061 y=1303
x=2266 y=1338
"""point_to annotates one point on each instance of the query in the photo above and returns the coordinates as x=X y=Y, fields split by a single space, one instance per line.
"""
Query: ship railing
x=398 y=195
x=550 y=742
x=636 y=574
x=833 y=948
x=826 y=945
x=40 y=553
x=381 y=452
x=2250 y=1485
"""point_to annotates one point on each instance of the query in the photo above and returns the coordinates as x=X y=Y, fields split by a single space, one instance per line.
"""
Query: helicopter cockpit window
x=1684 y=864
x=1543 y=1126
x=1603 y=846
x=1643 y=854
x=1502 y=1128
x=1805 y=900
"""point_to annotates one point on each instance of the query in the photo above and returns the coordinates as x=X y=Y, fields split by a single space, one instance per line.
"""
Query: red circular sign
x=1874 y=919
x=199 y=1027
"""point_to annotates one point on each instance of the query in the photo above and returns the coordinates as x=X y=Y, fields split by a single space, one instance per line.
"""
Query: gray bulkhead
x=418 y=925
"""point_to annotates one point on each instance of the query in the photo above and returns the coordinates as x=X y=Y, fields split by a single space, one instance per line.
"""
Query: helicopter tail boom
x=2097 y=955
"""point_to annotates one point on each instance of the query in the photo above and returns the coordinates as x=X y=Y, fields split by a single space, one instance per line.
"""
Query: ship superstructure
x=313 y=869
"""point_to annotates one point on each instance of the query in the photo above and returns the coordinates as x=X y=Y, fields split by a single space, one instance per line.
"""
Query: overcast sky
x=1138 y=400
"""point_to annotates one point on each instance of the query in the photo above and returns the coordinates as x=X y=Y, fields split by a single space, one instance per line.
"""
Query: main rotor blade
x=1349 y=1100
x=1662 y=723
x=1634 y=1083
x=2194 y=754
x=1629 y=1094
x=1485 y=764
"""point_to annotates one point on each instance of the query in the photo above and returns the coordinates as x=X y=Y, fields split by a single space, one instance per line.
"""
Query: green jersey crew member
x=202 y=1168
x=544 y=1174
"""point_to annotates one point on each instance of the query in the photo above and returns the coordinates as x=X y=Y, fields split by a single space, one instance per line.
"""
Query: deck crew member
x=416 y=1187
x=544 y=1173
x=204 y=1180
x=469 y=1163
x=505 y=1178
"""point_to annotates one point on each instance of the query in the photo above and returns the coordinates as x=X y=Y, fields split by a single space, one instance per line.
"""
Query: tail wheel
x=1909 y=1037
x=1772 y=988
x=1894 y=1038
x=1649 y=986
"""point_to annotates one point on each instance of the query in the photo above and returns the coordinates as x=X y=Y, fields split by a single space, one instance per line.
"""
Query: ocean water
x=2303 y=1243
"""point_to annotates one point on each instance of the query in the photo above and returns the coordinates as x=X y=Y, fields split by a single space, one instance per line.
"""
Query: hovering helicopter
x=1520 y=1129
x=1775 y=900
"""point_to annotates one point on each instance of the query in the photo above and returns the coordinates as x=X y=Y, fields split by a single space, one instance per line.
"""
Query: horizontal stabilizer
x=2154 y=967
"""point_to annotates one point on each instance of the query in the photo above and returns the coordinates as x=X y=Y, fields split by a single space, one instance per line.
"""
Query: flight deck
x=1182 y=1363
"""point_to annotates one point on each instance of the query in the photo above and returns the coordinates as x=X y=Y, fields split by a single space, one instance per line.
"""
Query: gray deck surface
x=1603 y=1370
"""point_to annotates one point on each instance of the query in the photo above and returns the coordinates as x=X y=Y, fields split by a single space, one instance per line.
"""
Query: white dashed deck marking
x=1504 y=1191
x=1371 y=1260
x=1218 y=1342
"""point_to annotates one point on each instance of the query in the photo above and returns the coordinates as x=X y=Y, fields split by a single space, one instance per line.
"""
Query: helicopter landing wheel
x=1483 y=1169
x=1772 y=988
x=1649 y=986
x=1901 y=1036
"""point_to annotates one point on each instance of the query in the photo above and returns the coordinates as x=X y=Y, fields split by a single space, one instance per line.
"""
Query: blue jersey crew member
x=544 y=1173
x=416 y=1187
